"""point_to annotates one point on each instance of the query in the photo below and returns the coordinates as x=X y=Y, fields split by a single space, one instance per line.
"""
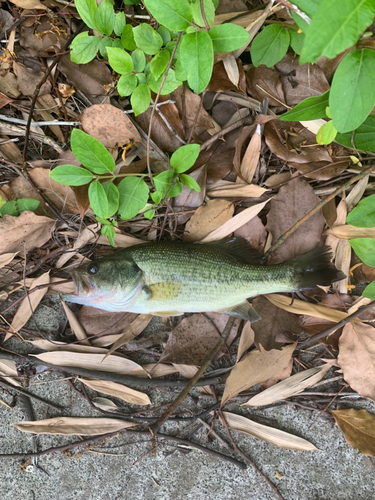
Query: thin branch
x=295 y=9
x=204 y=16
x=29 y=395
x=239 y=123
x=37 y=124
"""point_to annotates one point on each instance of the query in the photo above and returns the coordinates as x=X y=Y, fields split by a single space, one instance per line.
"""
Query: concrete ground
x=117 y=471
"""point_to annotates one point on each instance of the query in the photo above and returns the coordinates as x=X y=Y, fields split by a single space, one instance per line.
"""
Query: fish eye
x=92 y=269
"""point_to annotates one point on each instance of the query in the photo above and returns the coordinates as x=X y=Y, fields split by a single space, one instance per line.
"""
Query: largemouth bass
x=172 y=278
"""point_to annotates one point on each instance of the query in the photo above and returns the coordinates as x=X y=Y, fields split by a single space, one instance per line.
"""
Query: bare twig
x=295 y=9
x=204 y=16
x=29 y=395
x=239 y=123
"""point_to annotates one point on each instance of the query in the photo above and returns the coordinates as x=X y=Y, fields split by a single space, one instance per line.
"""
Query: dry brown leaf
x=256 y=368
x=356 y=193
x=41 y=39
x=118 y=391
x=357 y=358
x=9 y=86
x=221 y=80
x=347 y=232
x=250 y=159
x=24 y=233
x=77 y=329
x=112 y=364
x=111 y=126
x=6 y=258
x=131 y=332
x=342 y=263
x=71 y=426
x=268 y=434
x=226 y=189
x=28 y=305
x=220 y=320
x=28 y=79
x=263 y=82
x=188 y=198
x=190 y=341
x=277 y=179
x=8 y=370
x=274 y=321
x=246 y=340
x=105 y=404
x=207 y=218
x=48 y=346
x=358 y=427
x=294 y=201
x=88 y=234
x=235 y=223
x=156 y=370
x=289 y=387
x=44 y=104
x=29 y=4
x=188 y=371
x=254 y=232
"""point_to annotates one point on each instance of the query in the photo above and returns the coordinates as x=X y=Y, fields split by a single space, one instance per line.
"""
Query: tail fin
x=314 y=268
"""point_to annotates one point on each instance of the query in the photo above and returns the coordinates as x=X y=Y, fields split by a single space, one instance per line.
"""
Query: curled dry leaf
x=250 y=159
x=131 y=332
x=24 y=233
x=207 y=218
x=71 y=426
x=77 y=329
x=357 y=357
x=358 y=427
x=342 y=263
x=8 y=370
x=112 y=364
x=347 y=232
x=105 y=404
x=118 y=391
x=6 y=258
x=256 y=368
x=268 y=434
x=156 y=370
x=246 y=340
x=226 y=189
x=111 y=126
x=289 y=387
x=235 y=223
x=88 y=234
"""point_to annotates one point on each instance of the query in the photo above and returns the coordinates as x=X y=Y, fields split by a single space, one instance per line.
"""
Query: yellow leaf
x=358 y=427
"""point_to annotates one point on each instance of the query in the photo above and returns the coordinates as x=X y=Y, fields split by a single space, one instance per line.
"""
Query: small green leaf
x=141 y=77
x=116 y=43
x=165 y=34
x=352 y=94
x=296 y=41
x=98 y=199
x=369 y=291
x=70 y=175
x=127 y=84
x=113 y=197
x=156 y=197
x=133 y=196
x=147 y=39
x=163 y=184
x=335 y=26
x=363 y=137
x=105 y=18
x=120 y=61
x=326 y=134
x=15 y=207
x=120 y=23
x=139 y=60
x=364 y=248
x=363 y=215
x=228 y=37
x=173 y=14
x=270 y=46
x=140 y=99
x=127 y=38
x=170 y=83
x=149 y=213
x=87 y=10
x=184 y=158
x=91 y=153
x=191 y=183
x=159 y=63
x=197 y=58
x=84 y=48
x=105 y=42
x=311 y=108
x=108 y=231
x=209 y=12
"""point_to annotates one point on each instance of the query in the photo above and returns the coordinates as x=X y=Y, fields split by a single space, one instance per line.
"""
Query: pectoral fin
x=244 y=311
x=165 y=290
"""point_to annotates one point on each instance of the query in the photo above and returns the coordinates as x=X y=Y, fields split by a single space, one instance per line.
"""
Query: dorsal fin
x=239 y=248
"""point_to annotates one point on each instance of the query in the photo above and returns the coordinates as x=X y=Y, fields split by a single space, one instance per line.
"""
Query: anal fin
x=244 y=311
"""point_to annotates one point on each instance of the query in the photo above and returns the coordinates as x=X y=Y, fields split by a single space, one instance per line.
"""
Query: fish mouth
x=81 y=283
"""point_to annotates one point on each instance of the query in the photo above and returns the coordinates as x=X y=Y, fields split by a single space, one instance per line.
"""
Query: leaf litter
x=252 y=185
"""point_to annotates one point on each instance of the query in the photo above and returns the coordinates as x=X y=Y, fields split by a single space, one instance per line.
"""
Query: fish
x=170 y=278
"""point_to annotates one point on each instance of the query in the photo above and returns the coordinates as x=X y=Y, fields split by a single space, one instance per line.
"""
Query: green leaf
x=156 y=197
x=147 y=39
x=91 y=153
x=270 y=46
x=296 y=41
x=197 y=57
x=209 y=12
x=98 y=199
x=108 y=231
x=87 y=10
x=170 y=84
x=140 y=99
x=163 y=184
x=352 y=94
x=120 y=61
x=9 y=208
x=113 y=197
x=165 y=34
x=116 y=43
x=120 y=23
x=105 y=42
x=149 y=213
x=184 y=158
x=173 y=14
x=364 y=248
x=180 y=72
x=15 y=207
x=84 y=48
x=191 y=183
x=141 y=77
x=228 y=37
x=364 y=136
x=127 y=38
x=105 y=18
x=326 y=134
x=369 y=291
x=70 y=175
x=139 y=60
x=133 y=196
x=127 y=84
x=335 y=26
x=363 y=215
x=159 y=63
x=311 y=108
